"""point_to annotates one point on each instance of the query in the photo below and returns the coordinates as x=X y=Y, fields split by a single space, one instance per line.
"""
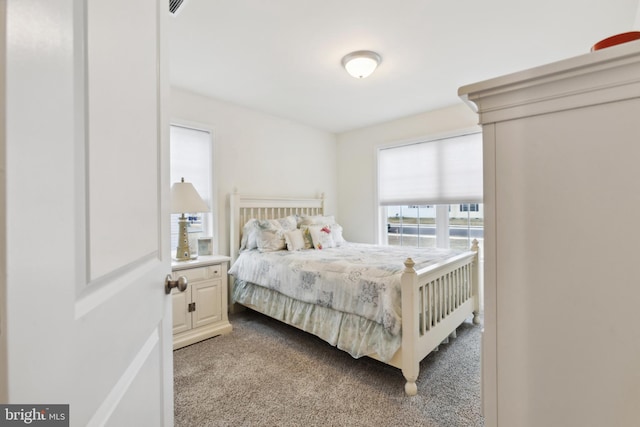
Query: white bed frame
x=435 y=300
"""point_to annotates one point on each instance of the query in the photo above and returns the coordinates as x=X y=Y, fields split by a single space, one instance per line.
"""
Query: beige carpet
x=266 y=373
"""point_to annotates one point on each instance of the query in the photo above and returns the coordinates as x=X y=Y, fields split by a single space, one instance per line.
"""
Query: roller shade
x=443 y=171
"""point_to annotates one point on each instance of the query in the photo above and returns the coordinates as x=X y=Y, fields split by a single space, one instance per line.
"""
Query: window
x=431 y=192
x=191 y=159
x=465 y=225
x=411 y=225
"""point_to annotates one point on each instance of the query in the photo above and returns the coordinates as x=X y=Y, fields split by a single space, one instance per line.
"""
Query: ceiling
x=283 y=57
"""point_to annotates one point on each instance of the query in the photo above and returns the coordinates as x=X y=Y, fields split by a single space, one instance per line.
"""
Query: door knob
x=169 y=284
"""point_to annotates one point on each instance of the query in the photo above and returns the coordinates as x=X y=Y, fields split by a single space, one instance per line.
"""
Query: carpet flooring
x=266 y=373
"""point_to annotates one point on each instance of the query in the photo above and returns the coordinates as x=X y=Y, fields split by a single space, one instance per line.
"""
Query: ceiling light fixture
x=362 y=63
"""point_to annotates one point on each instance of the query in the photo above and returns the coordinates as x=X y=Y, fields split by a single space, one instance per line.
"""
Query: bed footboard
x=435 y=301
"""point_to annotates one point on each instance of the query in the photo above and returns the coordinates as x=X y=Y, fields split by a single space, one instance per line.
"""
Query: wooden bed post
x=410 y=361
x=475 y=284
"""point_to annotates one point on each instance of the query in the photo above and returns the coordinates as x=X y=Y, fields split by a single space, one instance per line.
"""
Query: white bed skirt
x=348 y=332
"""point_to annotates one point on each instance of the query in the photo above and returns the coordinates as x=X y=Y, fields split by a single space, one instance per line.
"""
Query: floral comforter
x=354 y=278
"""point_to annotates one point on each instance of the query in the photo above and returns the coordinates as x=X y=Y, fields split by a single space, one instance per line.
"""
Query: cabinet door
x=206 y=296
x=181 y=315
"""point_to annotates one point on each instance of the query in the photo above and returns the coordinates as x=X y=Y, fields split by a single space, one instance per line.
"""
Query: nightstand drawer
x=199 y=274
x=215 y=271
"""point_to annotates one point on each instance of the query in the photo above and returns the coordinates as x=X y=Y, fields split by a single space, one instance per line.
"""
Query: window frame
x=442 y=217
x=213 y=217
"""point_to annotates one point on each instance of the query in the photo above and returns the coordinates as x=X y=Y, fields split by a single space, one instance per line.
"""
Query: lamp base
x=183 y=252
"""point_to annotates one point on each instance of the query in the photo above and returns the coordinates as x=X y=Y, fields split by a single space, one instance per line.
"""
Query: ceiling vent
x=174 y=5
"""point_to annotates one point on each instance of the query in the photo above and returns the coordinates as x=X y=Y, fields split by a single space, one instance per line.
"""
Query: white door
x=86 y=321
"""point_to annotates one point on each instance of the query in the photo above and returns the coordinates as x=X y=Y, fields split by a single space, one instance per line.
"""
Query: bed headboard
x=243 y=208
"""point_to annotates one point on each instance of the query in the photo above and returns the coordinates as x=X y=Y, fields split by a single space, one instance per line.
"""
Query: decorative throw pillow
x=321 y=237
x=294 y=240
x=270 y=236
x=306 y=236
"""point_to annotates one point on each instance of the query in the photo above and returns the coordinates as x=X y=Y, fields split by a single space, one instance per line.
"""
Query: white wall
x=357 y=162
x=259 y=154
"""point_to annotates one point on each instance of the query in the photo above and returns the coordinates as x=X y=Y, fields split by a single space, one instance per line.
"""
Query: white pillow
x=288 y=223
x=249 y=235
x=316 y=220
x=322 y=237
x=336 y=233
x=294 y=240
x=261 y=233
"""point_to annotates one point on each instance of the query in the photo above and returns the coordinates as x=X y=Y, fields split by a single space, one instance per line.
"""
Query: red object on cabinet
x=617 y=39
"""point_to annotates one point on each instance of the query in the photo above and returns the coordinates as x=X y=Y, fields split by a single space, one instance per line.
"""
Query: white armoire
x=561 y=341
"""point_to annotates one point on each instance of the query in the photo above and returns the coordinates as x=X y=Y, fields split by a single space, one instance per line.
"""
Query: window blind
x=443 y=171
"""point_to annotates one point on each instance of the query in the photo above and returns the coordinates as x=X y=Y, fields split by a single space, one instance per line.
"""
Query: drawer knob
x=169 y=284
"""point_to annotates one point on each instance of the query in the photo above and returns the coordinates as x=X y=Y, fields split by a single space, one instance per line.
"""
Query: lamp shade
x=361 y=64
x=185 y=198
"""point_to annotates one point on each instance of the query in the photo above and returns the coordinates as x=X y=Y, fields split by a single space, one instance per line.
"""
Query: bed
x=398 y=305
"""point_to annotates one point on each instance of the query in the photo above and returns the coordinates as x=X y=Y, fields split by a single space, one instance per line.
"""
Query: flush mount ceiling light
x=361 y=64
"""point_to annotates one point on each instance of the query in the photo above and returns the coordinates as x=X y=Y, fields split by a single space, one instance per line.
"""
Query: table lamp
x=185 y=199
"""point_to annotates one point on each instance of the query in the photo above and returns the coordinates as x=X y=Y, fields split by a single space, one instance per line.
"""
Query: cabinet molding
x=600 y=77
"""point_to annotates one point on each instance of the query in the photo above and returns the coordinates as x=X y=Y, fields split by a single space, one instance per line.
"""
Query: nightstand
x=200 y=312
